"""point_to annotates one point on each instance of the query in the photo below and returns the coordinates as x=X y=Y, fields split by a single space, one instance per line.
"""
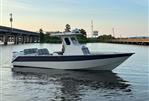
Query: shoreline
x=112 y=42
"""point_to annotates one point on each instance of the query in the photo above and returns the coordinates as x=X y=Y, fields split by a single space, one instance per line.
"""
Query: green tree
x=67 y=28
x=82 y=31
x=51 y=39
x=105 y=37
x=82 y=37
x=41 y=35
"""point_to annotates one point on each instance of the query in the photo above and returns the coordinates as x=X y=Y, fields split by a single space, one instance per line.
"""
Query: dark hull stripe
x=17 y=66
x=68 y=58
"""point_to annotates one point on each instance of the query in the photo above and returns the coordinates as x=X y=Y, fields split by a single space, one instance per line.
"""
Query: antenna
x=92 y=27
x=113 y=32
x=11 y=20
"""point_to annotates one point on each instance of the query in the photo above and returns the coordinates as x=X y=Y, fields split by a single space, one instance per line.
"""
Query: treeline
x=101 y=38
x=46 y=38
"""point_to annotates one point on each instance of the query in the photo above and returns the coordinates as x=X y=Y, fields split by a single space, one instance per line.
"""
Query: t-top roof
x=64 y=34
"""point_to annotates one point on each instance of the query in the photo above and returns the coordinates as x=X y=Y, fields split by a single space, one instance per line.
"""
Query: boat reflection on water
x=74 y=84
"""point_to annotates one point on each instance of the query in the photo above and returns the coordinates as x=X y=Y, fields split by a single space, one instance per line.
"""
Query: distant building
x=95 y=33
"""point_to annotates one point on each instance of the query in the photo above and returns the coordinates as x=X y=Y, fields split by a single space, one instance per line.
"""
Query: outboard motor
x=85 y=50
x=14 y=55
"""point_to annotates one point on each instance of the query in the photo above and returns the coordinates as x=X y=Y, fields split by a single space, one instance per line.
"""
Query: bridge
x=8 y=34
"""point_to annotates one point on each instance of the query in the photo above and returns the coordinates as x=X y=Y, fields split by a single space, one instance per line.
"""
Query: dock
x=135 y=41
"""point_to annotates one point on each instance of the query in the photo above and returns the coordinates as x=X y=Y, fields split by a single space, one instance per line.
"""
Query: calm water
x=128 y=82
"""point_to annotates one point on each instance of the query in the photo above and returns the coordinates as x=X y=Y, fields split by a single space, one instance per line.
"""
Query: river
x=128 y=82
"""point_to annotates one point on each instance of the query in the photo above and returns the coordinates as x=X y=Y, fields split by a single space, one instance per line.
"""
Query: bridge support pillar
x=1 y=38
x=31 y=39
x=5 y=38
x=27 y=39
x=22 y=39
x=16 y=39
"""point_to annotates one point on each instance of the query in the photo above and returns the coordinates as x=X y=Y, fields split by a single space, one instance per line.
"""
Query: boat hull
x=91 y=62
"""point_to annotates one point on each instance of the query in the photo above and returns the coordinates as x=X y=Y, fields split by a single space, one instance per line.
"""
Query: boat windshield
x=74 y=40
x=67 y=41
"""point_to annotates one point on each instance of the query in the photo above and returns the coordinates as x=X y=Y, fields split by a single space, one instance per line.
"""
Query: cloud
x=15 y=5
x=140 y=2
x=47 y=6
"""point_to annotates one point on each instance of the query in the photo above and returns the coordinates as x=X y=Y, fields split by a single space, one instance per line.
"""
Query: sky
x=127 y=17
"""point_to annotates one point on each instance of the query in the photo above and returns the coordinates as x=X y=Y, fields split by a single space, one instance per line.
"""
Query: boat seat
x=59 y=53
x=30 y=51
x=43 y=51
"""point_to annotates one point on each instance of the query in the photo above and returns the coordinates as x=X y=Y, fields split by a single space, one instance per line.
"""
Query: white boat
x=73 y=56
